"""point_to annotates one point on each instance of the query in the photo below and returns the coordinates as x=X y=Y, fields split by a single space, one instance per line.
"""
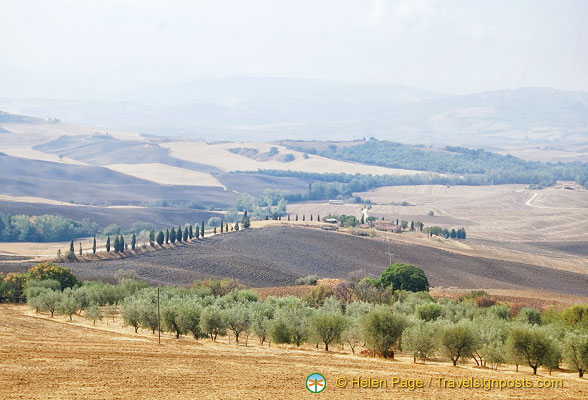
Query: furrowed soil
x=276 y=256
x=55 y=359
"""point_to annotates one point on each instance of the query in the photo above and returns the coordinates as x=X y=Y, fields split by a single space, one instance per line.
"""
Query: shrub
x=429 y=311
x=49 y=270
x=307 y=280
x=404 y=277
x=13 y=287
x=383 y=329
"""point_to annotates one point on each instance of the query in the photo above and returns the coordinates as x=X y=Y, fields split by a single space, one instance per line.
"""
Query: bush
x=13 y=287
x=307 y=280
x=458 y=341
x=49 y=270
x=429 y=311
x=383 y=329
x=404 y=277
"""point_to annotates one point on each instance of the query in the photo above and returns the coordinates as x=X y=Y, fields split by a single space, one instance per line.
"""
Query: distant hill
x=13 y=118
x=263 y=109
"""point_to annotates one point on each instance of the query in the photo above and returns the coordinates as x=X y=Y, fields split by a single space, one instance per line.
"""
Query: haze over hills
x=277 y=108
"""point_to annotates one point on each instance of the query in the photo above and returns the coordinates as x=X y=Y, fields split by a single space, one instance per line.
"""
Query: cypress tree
x=80 y=248
x=167 y=236
x=190 y=233
x=133 y=241
x=172 y=235
x=197 y=230
x=71 y=247
x=179 y=234
x=222 y=224
x=288 y=217
x=121 y=243
x=311 y=217
x=160 y=237
x=186 y=233
x=412 y=225
x=214 y=230
x=108 y=244
x=362 y=219
x=318 y=218
x=296 y=217
x=94 y=246
x=245 y=221
x=303 y=217
x=202 y=230
x=116 y=244
x=152 y=237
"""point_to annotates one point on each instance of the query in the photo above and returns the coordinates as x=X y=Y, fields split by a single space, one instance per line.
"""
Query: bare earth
x=56 y=359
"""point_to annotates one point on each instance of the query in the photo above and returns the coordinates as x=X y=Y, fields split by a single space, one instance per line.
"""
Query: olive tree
x=421 y=340
x=93 y=313
x=189 y=318
x=237 y=319
x=383 y=329
x=68 y=305
x=458 y=341
x=170 y=316
x=131 y=313
x=327 y=326
x=575 y=351
x=212 y=322
x=49 y=301
x=530 y=344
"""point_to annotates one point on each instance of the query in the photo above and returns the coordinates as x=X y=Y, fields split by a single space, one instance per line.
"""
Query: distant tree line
x=481 y=167
x=43 y=228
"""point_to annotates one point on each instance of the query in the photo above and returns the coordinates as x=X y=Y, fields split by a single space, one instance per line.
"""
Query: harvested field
x=276 y=256
x=44 y=358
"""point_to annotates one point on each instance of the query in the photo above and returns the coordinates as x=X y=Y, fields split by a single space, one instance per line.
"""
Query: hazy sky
x=101 y=48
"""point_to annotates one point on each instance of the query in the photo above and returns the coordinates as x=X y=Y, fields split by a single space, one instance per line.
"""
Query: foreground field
x=43 y=358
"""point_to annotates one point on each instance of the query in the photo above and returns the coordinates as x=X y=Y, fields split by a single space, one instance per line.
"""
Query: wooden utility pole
x=158 y=321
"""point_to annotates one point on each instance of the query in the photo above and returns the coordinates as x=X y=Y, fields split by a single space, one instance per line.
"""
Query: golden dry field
x=57 y=359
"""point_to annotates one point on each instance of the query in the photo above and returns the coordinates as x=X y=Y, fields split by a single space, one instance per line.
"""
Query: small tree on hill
x=458 y=341
x=133 y=241
x=575 y=351
x=116 y=245
x=186 y=233
x=246 y=222
x=121 y=243
x=172 y=235
x=80 y=250
x=190 y=232
x=197 y=231
x=152 y=237
x=167 y=236
x=93 y=313
x=221 y=226
x=179 y=234
x=108 y=244
x=383 y=329
x=94 y=246
x=202 y=230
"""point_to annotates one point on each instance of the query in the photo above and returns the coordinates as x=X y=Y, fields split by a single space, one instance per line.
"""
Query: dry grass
x=166 y=174
x=219 y=156
x=53 y=358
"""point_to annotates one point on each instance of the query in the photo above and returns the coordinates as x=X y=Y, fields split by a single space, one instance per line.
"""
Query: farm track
x=276 y=256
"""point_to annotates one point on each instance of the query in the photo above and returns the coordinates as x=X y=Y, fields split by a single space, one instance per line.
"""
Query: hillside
x=278 y=255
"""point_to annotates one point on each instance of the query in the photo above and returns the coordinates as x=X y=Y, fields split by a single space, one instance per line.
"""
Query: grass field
x=54 y=358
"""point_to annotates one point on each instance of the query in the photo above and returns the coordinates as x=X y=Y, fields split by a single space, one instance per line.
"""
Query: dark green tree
x=133 y=241
x=108 y=244
x=186 y=234
x=172 y=235
x=152 y=237
x=179 y=234
x=160 y=238
x=116 y=245
x=404 y=277
x=94 y=245
x=167 y=236
x=202 y=229
x=71 y=246
x=121 y=244
x=222 y=226
x=80 y=248
x=245 y=221
x=453 y=233
x=190 y=233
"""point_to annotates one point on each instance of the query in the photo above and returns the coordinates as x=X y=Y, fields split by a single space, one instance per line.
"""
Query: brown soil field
x=55 y=359
x=276 y=256
x=510 y=222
